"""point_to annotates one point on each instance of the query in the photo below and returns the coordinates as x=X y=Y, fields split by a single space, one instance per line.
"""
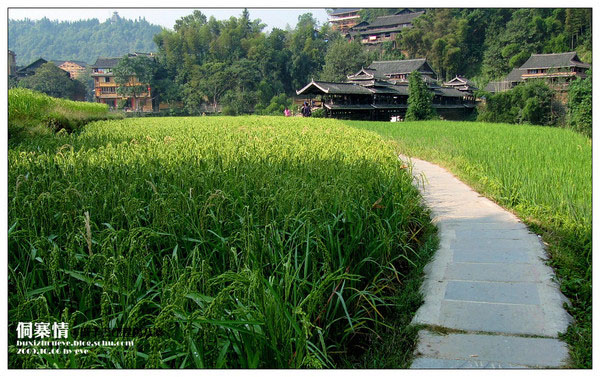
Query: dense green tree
x=82 y=40
x=54 y=82
x=580 y=105
x=344 y=58
x=530 y=103
x=134 y=75
x=419 y=99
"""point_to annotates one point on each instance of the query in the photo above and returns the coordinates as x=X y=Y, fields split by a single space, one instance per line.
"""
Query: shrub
x=319 y=113
x=528 y=103
x=580 y=105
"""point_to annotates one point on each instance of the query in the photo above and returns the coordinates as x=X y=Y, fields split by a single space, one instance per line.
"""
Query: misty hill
x=82 y=40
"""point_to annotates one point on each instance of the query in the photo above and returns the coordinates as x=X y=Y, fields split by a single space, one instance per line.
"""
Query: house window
x=107 y=79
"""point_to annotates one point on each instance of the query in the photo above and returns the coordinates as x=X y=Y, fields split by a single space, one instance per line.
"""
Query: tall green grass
x=543 y=174
x=245 y=242
x=31 y=113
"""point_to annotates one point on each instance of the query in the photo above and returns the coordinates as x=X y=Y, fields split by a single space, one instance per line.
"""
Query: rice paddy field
x=212 y=242
x=543 y=174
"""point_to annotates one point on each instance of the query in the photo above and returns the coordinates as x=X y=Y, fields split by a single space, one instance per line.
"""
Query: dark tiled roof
x=334 y=88
x=514 y=75
x=449 y=92
x=34 y=65
x=567 y=59
x=390 y=89
x=59 y=62
x=106 y=62
x=393 y=20
x=343 y=10
x=460 y=81
x=382 y=68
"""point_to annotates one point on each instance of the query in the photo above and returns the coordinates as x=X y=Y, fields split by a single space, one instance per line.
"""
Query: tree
x=419 y=99
x=529 y=102
x=134 y=75
x=580 y=105
x=210 y=82
x=343 y=58
x=54 y=82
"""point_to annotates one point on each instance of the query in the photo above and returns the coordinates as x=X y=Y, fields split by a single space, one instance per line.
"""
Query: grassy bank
x=543 y=174
x=223 y=242
x=32 y=114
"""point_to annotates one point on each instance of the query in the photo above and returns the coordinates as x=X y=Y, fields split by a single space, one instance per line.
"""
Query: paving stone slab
x=492 y=256
x=501 y=349
x=496 y=292
x=432 y=363
x=505 y=272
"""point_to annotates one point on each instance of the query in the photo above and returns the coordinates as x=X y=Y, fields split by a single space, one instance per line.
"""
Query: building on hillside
x=30 y=69
x=105 y=87
x=380 y=92
x=343 y=19
x=12 y=63
x=74 y=67
x=383 y=28
x=558 y=70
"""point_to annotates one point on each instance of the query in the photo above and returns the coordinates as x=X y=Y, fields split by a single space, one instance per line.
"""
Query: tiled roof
x=395 y=19
x=343 y=10
x=449 y=92
x=106 y=62
x=382 y=68
x=514 y=75
x=59 y=62
x=459 y=81
x=334 y=88
x=567 y=59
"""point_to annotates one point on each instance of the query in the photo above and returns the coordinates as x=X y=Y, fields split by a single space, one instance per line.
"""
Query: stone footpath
x=490 y=301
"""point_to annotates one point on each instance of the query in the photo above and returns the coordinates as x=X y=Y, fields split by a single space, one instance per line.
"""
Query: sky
x=278 y=18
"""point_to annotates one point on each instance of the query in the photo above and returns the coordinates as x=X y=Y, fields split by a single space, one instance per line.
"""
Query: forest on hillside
x=82 y=40
x=234 y=63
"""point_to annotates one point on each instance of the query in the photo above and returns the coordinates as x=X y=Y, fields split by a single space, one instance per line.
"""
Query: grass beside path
x=543 y=174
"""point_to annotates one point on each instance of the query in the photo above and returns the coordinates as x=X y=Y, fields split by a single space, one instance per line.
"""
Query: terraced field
x=221 y=242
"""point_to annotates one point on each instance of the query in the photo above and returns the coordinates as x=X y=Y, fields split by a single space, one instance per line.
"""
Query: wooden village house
x=380 y=92
x=12 y=63
x=558 y=70
x=105 y=87
x=383 y=28
x=343 y=19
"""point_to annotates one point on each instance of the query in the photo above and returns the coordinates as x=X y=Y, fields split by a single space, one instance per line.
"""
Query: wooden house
x=12 y=63
x=74 y=67
x=105 y=87
x=381 y=91
x=343 y=19
x=383 y=28
x=558 y=70
x=30 y=69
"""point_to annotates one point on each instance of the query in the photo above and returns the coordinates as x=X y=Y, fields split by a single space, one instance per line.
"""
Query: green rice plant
x=226 y=242
x=543 y=174
x=31 y=113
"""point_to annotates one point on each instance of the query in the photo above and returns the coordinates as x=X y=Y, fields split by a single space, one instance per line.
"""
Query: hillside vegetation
x=225 y=242
x=32 y=114
x=543 y=174
x=83 y=40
